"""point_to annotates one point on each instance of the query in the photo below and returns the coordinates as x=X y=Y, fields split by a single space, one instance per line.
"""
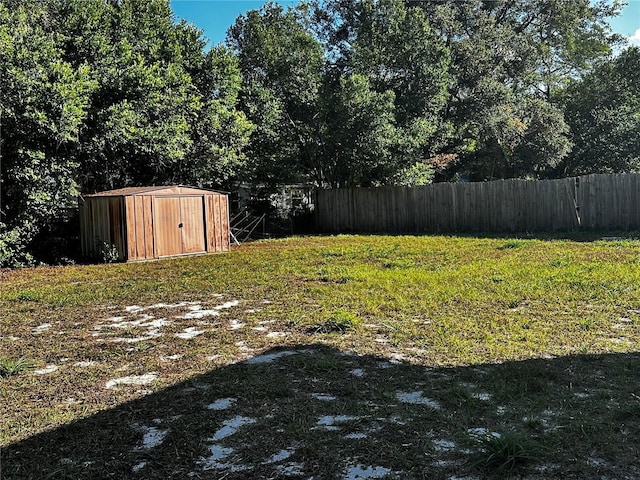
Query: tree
x=220 y=132
x=101 y=94
x=43 y=102
x=164 y=110
x=334 y=111
x=395 y=48
x=603 y=111
x=358 y=137
x=282 y=68
x=509 y=56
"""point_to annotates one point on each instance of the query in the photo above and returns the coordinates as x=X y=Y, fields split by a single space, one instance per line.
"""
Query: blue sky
x=216 y=16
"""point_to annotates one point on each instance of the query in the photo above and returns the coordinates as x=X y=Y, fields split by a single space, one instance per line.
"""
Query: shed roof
x=169 y=189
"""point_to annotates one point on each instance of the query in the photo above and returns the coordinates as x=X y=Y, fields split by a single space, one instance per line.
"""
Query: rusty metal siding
x=223 y=220
x=193 y=224
x=101 y=221
x=209 y=223
x=166 y=231
x=152 y=222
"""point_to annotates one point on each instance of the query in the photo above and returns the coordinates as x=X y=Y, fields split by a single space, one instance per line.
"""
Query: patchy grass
x=354 y=357
x=340 y=321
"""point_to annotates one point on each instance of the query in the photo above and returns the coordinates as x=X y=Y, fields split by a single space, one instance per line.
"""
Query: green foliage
x=97 y=95
x=603 y=111
x=511 y=244
x=281 y=64
x=164 y=110
x=43 y=101
x=340 y=321
x=415 y=175
x=510 y=60
x=358 y=132
x=478 y=80
x=333 y=115
x=508 y=451
x=13 y=249
x=107 y=252
x=10 y=367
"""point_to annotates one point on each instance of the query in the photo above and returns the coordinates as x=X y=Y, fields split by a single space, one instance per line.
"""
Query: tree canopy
x=104 y=94
x=334 y=108
x=603 y=111
x=101 y=94
x=510 y=59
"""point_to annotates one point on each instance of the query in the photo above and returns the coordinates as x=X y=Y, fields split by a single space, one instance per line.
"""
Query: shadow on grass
x=315 y=412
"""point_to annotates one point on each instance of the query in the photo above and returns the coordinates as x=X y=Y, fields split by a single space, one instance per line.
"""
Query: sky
x=216 y=16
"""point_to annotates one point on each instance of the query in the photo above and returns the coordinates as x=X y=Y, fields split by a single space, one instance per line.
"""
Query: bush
x=13 y=253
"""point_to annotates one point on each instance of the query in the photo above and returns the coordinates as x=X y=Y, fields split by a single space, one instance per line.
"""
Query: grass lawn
x=348 y=357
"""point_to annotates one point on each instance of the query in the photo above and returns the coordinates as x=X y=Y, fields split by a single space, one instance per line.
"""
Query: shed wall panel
x=216 y=223
x=166 y=231
x=94 y=226
x=129 y=223
x=210 y=223
x=223 y=221
x=192 y=223
x=138 y=220
x=149 y=240
x=101 y=216
x=118 y=226
x=98 y=222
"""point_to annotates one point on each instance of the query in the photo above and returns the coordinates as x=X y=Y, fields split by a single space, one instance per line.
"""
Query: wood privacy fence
x=607 y=202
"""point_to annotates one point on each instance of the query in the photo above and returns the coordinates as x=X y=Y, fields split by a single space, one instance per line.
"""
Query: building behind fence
x=607 y=202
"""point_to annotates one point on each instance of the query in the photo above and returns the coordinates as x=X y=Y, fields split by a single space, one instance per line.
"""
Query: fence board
x=604 y=201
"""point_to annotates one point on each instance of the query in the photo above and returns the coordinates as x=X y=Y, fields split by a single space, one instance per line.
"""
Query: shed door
x=179 y=225
x=192 y=218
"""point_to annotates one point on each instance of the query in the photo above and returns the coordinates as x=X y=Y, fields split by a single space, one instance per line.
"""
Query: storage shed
x=144 y=223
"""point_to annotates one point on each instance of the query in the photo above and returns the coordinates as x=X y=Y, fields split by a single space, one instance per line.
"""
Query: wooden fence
x=607 y=202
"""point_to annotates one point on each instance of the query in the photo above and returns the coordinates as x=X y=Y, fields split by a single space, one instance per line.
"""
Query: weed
x=587 y=324
x=513 y=303
x=142 y=347
x=341 y=321
x=399 y=264
x=107 y=252
x=27 y=296
x=534 y=424
x=508 y=451
x=323 y=364
x=511 y=244
x=10 y=367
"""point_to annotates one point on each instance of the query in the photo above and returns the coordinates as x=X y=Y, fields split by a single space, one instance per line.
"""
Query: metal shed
x=144 y=223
